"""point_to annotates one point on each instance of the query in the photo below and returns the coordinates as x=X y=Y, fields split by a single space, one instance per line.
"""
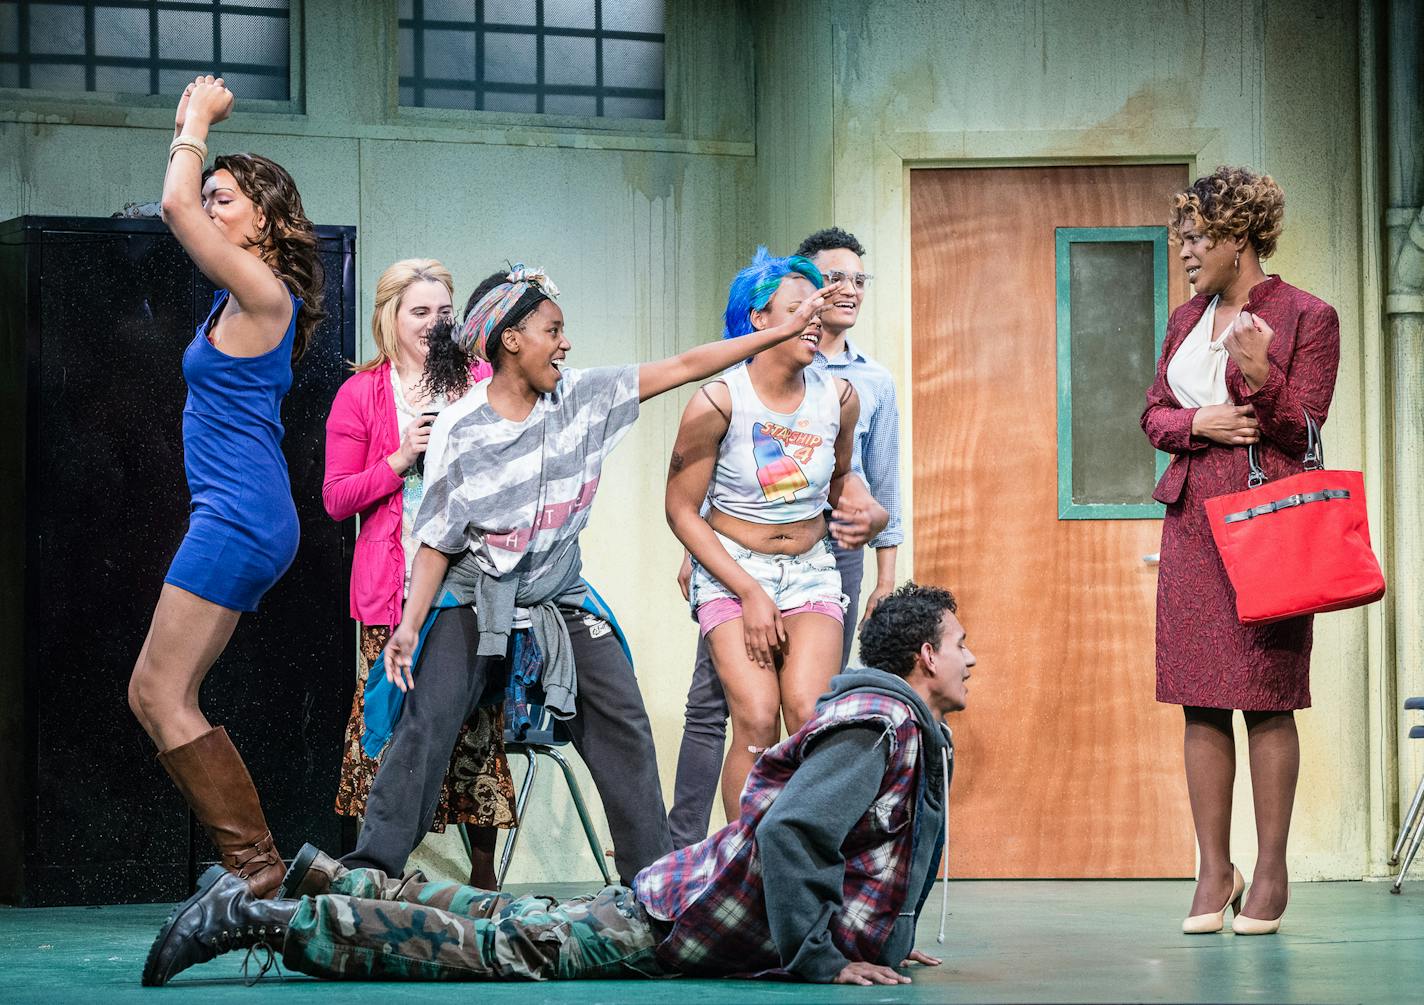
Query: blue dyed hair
x=755 y=285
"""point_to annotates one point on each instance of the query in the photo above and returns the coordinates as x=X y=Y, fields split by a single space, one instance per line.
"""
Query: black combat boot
x=221 y=916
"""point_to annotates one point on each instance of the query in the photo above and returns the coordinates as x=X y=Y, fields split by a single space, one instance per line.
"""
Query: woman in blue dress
x=242 y=223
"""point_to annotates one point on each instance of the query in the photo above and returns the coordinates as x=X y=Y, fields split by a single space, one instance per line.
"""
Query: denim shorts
x=791 y=581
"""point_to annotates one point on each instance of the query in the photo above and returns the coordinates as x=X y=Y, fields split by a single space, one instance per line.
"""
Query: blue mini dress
x=242 y=530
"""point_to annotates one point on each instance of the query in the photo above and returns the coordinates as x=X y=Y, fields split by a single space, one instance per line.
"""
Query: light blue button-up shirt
x=876 y=457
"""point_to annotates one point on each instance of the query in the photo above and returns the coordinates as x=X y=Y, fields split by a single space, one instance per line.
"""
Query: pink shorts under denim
x=796 y=584
x=724 y=609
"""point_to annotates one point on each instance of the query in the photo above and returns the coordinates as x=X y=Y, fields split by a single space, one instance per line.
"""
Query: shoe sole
x=297 y=871
x=151 y=977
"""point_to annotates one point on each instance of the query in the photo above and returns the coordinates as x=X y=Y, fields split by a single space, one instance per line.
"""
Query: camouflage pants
x=373 y=927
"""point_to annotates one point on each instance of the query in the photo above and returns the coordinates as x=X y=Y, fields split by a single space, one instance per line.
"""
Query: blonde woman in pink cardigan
x=376 y=437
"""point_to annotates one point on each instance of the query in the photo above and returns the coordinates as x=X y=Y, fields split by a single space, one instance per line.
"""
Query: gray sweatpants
x=704 y=729
x=610 y=730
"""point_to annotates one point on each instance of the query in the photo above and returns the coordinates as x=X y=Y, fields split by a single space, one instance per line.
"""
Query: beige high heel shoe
x=1242 y=925
x=1208 y=924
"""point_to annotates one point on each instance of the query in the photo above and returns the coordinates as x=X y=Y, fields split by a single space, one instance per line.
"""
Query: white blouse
x=1197 y=373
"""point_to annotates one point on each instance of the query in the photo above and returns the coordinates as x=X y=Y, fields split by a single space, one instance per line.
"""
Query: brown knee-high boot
x=210 y=774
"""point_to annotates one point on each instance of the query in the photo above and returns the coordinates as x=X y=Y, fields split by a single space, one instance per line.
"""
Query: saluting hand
x=1246 y=342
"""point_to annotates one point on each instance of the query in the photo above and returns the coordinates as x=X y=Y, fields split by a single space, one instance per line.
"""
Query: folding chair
x=1413 y=820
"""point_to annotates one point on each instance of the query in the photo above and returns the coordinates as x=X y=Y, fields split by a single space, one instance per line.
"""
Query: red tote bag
x=1297 y=546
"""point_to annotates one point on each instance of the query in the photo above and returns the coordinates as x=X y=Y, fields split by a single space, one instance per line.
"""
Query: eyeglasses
x=835 y=277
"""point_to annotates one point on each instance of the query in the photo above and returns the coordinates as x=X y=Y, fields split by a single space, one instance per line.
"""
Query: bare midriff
x=769 y=538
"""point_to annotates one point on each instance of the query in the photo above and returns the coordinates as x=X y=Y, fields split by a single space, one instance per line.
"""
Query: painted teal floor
x=1007 y=942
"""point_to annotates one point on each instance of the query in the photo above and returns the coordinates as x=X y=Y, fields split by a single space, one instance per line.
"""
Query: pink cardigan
x=361 y=432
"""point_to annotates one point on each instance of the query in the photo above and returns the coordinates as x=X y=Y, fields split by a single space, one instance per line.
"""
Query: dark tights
x=1210 y=756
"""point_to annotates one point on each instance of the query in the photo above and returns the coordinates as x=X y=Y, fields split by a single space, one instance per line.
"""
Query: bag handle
x=1314 y=453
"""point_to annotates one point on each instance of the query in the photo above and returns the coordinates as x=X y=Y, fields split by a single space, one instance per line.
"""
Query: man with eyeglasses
x=876 y=458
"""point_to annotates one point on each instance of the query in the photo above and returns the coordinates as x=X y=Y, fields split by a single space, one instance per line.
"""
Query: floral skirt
x=478 y=789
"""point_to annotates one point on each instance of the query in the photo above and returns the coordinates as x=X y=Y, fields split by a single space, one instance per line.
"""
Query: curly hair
x=1232 y=202
x=390 y=290
x=286 y=237
x=892 y=636
x=754 y=286
x=447 y=365
x=828 y=240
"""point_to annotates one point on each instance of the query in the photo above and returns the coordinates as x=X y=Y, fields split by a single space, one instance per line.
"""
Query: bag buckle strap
x=1287 y=502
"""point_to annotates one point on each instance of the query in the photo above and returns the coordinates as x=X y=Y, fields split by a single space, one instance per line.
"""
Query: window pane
x=57 y=30
x=1112 y=292
x=254 y=85
x=445 y=10
x=251 y=39
x=509 y=11
x=45 y=77
x=9 y=75
x=121 y=79
x=632 y=64
x=633 y=108
x=571 y=104
x=184 y=34
x=633 y=15
x=9 y=28
x=121 y=32
x=450 y=55
x=569 y=13
x=510 y=59
x=439 y=97
x=495 y=102
x=568 y=60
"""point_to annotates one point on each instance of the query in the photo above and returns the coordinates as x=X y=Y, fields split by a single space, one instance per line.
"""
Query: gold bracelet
x=188 y=143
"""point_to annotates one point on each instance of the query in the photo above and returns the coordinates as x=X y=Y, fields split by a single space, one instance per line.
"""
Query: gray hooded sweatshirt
x=799 y=840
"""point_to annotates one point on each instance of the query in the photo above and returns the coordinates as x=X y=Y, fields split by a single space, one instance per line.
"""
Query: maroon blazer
x=1303 y=358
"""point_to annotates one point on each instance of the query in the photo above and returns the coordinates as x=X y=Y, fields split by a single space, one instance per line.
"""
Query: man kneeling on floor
x=822 y=878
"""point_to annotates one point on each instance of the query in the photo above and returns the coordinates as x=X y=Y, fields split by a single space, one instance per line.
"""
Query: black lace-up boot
x=221 y=916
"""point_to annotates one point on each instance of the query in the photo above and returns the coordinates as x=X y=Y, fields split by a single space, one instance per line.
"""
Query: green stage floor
x=1007 y=942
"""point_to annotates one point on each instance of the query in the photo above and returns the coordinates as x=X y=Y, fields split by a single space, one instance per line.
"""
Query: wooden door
x=1066 y=766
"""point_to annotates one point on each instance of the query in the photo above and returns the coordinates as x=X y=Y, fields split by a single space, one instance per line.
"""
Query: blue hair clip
x=754 y=286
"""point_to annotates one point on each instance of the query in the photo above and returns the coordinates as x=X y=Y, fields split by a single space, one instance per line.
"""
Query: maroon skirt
x=1205 y=656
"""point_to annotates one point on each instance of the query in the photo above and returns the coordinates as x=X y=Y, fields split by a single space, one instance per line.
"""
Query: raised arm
x=261 y=297
x=711 y=358
x=855 y=515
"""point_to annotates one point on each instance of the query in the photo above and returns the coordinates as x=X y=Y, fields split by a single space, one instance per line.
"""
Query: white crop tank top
x=773 y=467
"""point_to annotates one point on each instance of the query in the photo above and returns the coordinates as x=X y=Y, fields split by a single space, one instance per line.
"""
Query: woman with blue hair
x=767 y=447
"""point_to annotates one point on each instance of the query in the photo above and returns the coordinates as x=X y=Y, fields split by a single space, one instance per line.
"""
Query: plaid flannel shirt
x=712 y=891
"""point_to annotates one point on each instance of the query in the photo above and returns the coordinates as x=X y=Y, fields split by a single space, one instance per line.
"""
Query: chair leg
x=520 y=803
x=1408 y=823
x=464 y=830
x=589 y=832
x=1409 y=858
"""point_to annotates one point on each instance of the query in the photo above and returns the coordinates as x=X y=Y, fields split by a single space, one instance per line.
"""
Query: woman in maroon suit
x=1243 y=361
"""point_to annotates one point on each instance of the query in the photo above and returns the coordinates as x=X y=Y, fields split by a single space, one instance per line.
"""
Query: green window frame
x=1066 y=237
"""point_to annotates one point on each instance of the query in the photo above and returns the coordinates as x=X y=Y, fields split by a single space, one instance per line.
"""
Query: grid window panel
x=146 y=46
x=561 y=57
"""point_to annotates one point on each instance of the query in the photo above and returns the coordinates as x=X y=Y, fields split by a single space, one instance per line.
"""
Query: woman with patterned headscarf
x=765 y=449
x=376 y=439
x=511 y=472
